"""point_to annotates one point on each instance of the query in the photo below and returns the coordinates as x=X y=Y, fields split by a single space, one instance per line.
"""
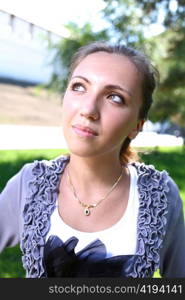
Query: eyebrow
x=109 y=86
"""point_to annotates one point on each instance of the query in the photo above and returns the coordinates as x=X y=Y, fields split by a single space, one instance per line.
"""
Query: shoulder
x=44 y=167
x=144 y=168
x=37 y=167
x=148 y=173
x=159 y=180
x=30 y=172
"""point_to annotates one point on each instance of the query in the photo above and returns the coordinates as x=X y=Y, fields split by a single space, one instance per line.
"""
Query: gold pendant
x=87 y=211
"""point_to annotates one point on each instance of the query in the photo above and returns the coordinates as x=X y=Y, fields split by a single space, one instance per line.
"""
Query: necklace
x=87 y=207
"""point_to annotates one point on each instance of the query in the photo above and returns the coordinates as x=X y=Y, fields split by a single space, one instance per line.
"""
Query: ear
x=136 y=130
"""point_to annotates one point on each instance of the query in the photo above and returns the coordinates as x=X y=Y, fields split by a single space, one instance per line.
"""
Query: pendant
x=87 y=211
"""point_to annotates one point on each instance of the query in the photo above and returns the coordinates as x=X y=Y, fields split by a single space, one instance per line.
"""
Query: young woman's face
x=101 y=105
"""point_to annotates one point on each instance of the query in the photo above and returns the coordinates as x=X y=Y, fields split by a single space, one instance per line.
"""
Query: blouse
x=29 y=199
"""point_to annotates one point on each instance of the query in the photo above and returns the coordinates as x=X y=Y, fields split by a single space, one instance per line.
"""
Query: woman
x=98 y=212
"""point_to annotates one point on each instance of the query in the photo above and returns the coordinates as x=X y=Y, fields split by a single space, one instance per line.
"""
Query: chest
x=126 y=228
x=104 y=215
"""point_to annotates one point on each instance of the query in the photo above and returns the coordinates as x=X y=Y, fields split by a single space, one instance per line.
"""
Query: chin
x=82 y=152
x=80 y=148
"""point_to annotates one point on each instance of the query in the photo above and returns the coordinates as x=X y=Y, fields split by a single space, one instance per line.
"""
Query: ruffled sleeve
x=12 y=200
x=172 y=254
x=153 y=189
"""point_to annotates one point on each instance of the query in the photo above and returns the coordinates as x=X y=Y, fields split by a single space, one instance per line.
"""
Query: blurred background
x=37 y=39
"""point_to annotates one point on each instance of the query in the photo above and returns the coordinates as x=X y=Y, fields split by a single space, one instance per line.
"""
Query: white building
x=23 y=50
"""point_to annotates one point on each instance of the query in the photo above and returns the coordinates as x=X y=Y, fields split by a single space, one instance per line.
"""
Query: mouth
x=84 y=130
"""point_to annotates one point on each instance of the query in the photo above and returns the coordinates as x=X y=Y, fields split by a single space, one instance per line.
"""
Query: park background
x=34 y=60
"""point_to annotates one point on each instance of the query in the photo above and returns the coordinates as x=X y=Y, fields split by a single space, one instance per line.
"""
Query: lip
x=84 y=130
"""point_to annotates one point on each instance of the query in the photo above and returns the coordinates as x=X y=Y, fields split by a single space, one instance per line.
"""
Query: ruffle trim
x=41 y=201
x=153 y=189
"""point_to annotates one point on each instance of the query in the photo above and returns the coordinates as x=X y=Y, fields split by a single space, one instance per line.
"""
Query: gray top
x=29 y=198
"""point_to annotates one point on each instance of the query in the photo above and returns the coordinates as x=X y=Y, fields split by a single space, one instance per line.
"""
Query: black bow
x=61 y=261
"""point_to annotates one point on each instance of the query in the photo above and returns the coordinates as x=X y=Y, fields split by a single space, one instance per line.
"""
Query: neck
x=94 y=176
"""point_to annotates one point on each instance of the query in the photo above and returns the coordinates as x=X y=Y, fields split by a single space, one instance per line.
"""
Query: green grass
x=170 y=159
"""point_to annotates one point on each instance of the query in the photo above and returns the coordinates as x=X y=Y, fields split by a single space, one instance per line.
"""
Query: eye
x=116 y=98
x=78 y=87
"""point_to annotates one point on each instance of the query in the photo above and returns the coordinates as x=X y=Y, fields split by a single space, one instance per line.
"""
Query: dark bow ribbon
x=61 y=261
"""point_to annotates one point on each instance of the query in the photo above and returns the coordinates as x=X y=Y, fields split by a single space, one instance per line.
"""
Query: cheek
x=115 y=128
x=120 y=125
x=69 y=108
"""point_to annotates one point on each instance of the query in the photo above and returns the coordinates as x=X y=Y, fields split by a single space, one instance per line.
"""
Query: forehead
x=112 y=64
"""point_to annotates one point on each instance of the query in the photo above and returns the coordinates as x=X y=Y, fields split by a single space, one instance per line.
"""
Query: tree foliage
x=124 y=17
x=170 y=101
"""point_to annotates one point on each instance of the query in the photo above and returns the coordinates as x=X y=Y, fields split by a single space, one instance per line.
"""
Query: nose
x=90 y=110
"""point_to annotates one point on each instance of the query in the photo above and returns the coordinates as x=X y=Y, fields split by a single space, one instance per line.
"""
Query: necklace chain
x=88 y=206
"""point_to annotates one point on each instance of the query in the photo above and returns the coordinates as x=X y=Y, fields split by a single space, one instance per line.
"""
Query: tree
x=124 y=17
x=170 y=101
